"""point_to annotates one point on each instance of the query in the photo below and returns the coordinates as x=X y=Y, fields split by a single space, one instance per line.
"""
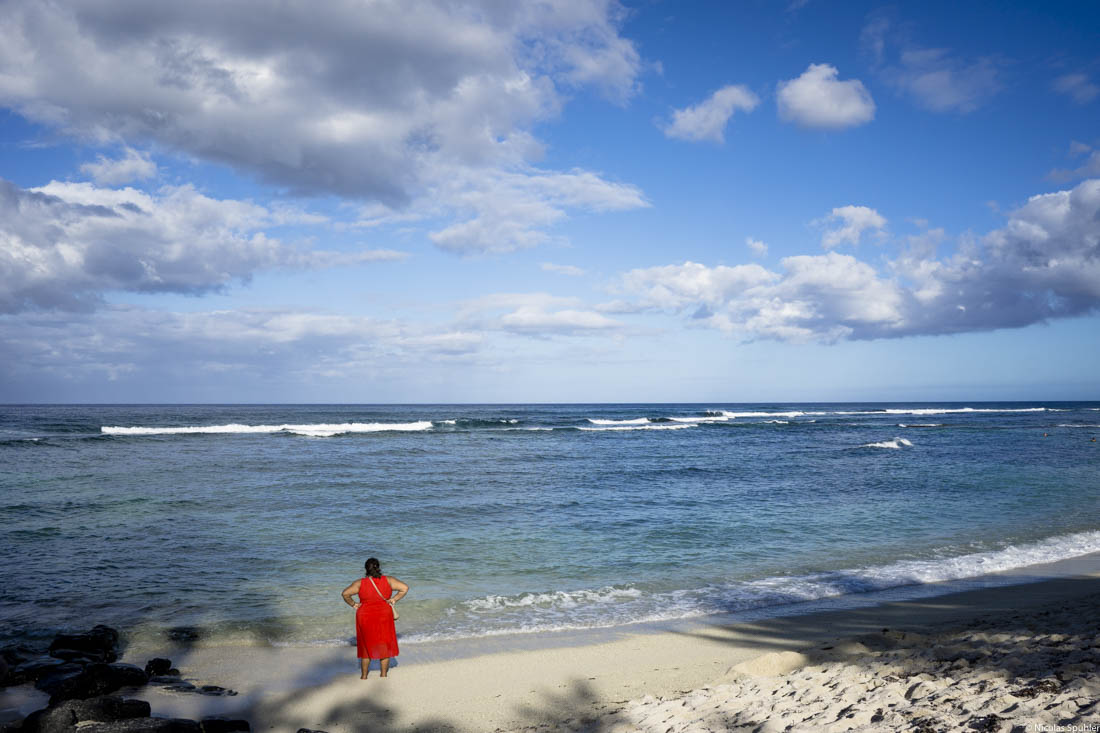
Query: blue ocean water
x=242 y=524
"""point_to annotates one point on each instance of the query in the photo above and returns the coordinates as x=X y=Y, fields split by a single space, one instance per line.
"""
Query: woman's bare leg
x=364 y=665
x=385 y=666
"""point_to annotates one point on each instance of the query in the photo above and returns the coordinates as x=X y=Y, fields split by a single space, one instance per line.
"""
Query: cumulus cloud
x=933 y=77
x=818 y=99
x=1044 y=263
x=502 y=211
x=707 y=120
x=132 y=166
x=65 y=244
x=533 y=314
x=846 y=224
x=378 y=103
x=1078 y=87
x=571 y=270
x=759 y=248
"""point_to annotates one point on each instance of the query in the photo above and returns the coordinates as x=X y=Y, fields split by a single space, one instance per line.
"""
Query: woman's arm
x=350 y=591
x=398 y=586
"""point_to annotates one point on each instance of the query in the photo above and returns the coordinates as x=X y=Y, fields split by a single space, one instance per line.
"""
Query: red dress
x=375 y=634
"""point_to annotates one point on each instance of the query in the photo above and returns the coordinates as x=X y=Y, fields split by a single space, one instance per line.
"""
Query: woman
x=375 y=635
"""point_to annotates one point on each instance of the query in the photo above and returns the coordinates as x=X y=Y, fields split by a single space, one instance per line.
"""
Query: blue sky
x=365 y=201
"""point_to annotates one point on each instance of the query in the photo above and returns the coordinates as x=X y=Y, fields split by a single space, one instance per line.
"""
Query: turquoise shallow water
x=241 y=524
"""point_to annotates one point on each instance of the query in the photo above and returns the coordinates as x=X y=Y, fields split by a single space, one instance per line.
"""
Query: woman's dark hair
x=373 y=567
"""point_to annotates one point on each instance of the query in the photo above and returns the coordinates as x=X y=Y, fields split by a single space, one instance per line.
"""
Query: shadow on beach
x=1007 y=631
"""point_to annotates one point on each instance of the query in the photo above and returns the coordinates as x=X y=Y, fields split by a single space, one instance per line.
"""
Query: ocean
x=241 y=524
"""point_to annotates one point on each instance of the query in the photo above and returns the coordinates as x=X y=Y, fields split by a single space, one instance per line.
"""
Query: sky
x=375 y=201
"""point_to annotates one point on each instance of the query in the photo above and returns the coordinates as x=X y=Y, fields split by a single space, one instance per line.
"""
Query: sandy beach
x=995 y=659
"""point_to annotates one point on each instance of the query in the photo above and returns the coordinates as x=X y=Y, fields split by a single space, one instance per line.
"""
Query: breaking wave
x=320 y=430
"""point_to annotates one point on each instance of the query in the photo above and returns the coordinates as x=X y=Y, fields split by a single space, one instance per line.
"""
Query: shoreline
x=549 y=678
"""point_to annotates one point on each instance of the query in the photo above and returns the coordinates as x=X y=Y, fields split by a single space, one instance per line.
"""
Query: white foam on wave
x=950 y=410
x=318 y=430
x=650 y=426
x=633 y=421
x=896 y=444
x=792 y=413
x=1079 y=425
x=920 y=425
x=708 y=418
x=612 y=606
x=558 y=599
x=778 y=422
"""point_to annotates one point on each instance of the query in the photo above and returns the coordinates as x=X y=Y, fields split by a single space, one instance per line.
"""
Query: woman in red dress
x=375 y=635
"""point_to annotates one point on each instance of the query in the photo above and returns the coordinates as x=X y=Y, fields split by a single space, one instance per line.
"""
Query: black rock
x=101 y=643
x=98 y=679
x=35 y=669
x=309 y=730
x=158 y=666
x=58 y=677
x=62 y=718
x=128 y=675
x=181 y=686
x=166 y=679
x=218 y=724
x=77 y=655
x=144 y=725
x=184 y=633
x=215 y=691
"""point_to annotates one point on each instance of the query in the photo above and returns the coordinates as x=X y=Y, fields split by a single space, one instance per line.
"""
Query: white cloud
x=848 y=223
x=499 y=211
x=533 y=314
x=1043 y=264
x=933 y=77
x=707 y=120
x=382 y=104
x=252 y=346
x=133 y=166
x=65 y=244
x=571 y=270
x=818 y=99
x=1077 y=86
x=759 y=248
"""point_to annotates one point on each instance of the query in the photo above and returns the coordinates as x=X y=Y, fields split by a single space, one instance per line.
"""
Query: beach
x=999 y=657
x=610 y=567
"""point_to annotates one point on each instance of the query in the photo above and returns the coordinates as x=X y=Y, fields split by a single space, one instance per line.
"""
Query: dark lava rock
x=309 y=730
x=144 y=725
x=181 y=686
x=1037 y=688
x=158 y=666
x=986 y=723
x=58 y=677
x=101 y=643
x=215 y=691
x=35 y=669
x=77 y=655
x=98 y=679
x=166 y=679
x=64 y=716
x=218 y=724
x=183 y=633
